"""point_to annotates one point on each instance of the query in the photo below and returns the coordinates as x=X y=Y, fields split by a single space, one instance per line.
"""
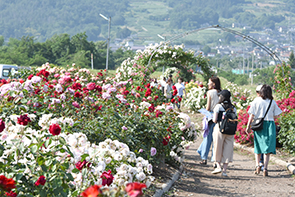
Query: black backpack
x=229 y=122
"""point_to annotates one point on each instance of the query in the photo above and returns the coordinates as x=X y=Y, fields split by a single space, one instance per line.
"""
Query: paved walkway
x=197 y=179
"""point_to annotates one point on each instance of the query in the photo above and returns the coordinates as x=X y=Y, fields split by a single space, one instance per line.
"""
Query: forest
x=46 y=18
x=61 y=50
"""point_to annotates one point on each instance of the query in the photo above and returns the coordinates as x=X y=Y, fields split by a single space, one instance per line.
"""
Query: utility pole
x=248 y=64
x=108 y=43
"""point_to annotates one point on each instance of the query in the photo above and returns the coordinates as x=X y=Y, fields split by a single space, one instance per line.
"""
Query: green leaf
x=83 y=157
x=62 y=140
x=75 y=170
x=43 y=193
x=18 y=177
x=34 y=148
x=48 y=162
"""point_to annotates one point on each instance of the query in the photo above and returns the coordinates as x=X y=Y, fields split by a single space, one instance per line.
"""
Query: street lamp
x=108 y=44
x=163 y=38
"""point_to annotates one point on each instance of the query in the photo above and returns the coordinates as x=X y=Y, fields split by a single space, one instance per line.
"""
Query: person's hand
x=248 y=129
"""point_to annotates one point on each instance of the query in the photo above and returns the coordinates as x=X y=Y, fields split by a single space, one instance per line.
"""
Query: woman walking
x=223 y=143
x=265 y=139
x=212 y=99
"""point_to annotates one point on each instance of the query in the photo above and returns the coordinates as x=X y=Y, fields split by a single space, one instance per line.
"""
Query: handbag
x=257 y=124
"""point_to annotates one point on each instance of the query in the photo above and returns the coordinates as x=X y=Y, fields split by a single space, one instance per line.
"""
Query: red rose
x=99 y=88
x=91 y=86
x=201 y=85
x=80 y=165
x=174 y=88
x=3 y=81
x=165 y=141
x=54 y=129
x=2 y=125
x=126 y=92
x=148 y=85
x=30 y=77
x=23 y=120
x=37 y=91
x=6 y=184
x=174 y=92
x=41 y=181
x=138 y=88
x=156 y=97
x=134 y=189
x=78 y=95
x=179 y=99
x=151 y=108
x=11 y=193
x=148 y=92
x=92 y=191
x=158 y=113
x=107 y=178
x=21 y=80
x=76 y=86
x=173 y=100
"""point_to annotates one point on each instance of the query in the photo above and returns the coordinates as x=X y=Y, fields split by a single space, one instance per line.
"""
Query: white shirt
x=259 y=106
x=180 y=88
x=163 y=83
x=214 y=98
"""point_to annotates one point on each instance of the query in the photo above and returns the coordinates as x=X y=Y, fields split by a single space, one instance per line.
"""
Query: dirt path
x=197 y=179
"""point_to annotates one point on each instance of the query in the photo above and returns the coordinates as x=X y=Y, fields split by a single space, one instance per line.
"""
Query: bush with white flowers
x=68 y=159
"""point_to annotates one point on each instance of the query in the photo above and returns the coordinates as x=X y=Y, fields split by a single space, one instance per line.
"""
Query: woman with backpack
x=265 y=139
x=223 y=134
x=212 y=99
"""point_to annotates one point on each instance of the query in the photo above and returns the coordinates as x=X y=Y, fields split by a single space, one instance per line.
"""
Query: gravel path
x=197 y=179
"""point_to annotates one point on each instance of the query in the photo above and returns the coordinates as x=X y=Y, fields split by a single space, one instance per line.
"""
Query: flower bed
x=104 y=114
x=53 y=161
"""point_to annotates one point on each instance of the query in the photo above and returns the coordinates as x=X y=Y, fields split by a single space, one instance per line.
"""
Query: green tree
x=1 y=40
x=206 y=49
x=292 y=59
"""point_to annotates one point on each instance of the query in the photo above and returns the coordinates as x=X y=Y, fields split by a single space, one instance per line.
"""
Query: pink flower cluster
x=241 y=136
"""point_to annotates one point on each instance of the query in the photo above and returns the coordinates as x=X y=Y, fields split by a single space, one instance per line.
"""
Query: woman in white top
x=212 y=99
x=265 y=139
x=223 y=143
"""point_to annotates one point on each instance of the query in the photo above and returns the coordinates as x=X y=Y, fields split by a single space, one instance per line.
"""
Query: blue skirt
x=265 y=140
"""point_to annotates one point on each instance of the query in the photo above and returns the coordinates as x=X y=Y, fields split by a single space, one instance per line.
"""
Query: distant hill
x=140 y=18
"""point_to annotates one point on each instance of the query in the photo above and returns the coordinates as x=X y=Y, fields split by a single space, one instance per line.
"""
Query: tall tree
x=292 y=59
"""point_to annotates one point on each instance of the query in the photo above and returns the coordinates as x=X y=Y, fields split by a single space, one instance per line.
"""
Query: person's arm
x=215 y=116
x=184 y=94
x=208 y=102
x=251 y=117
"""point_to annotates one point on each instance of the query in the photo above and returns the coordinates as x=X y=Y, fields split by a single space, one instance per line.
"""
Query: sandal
x=265 y=172
x=204 y=162
x=257 y=170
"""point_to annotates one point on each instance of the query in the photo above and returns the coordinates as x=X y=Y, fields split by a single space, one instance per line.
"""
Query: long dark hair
x=217 y=83
x=266 y=92
x=225 y=102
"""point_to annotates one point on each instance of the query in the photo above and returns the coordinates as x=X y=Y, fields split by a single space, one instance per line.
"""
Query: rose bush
x=196 y=97
x=46 y=165
x=240 y=98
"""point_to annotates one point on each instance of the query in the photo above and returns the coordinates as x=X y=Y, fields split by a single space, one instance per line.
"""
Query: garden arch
x=262 y=46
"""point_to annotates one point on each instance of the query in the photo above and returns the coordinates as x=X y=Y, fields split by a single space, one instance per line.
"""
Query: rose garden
x=72 y=132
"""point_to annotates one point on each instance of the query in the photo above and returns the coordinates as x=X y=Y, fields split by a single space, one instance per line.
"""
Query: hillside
x=143 y=19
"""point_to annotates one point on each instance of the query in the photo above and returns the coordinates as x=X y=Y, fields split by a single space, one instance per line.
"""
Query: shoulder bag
x=257 y=124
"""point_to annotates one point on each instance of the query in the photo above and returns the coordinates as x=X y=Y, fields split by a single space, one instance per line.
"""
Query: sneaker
x=214 y=165
x=216 y=171
x=223 y=174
